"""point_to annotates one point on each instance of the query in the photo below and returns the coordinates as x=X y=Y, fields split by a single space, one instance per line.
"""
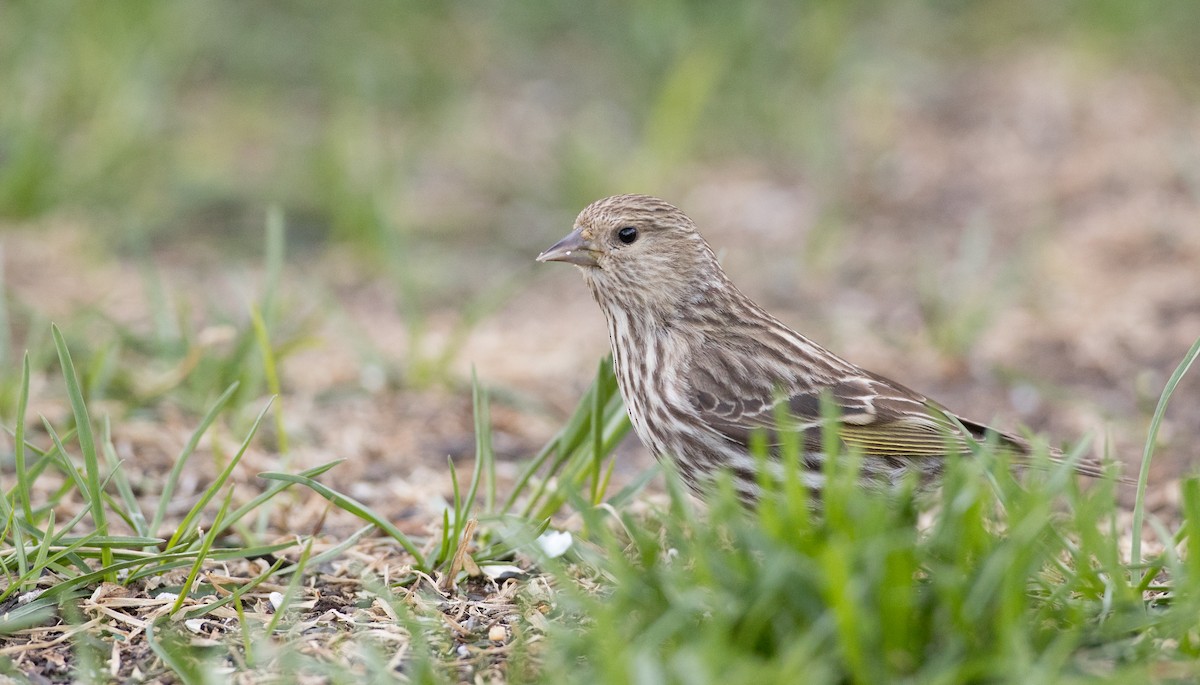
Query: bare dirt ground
x=1083 y=191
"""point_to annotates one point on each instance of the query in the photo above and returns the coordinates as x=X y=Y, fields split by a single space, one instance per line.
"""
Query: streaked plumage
x=701 y=367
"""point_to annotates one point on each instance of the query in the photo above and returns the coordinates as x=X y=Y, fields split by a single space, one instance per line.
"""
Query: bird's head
x=638 y=251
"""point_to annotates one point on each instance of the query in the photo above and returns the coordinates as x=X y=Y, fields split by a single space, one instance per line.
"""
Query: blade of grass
x=236 y=595
x=528 y=472
x=447 y=534
x=573 y=470
x=26 y=616
x=24 y=485
x=483 y=445
x=132 y=543
x=352 y=506
x=44 y=459
x=6 y=340
x=132 y=509
x=177 y=469
x=597 y=453
x=635 y=486
x=8 y=531
x=1189 y=492
x=450 y=538
x=560 y=446
x=1139 y=506
x=36 y=569
x=217 y=484
x=278 y=569
x=335 y=551
x=87 y=442
x=43 y=550
x=31 y=530
x=269 y=494
x=166 y=332
x=289 y=595
x=247 y=640
x=22 y=561
x=156 y=565
x=65 y=464
x=262 y=338
x=163 y=562
x=275 y=253
x=182 y=659
x=201 y=555
x=463 y=506
x=484 y=456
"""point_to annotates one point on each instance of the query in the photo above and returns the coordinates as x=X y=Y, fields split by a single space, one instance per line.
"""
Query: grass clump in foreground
x=986 y=580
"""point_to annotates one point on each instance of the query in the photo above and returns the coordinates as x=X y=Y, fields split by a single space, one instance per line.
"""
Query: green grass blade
x=43 y=549
x=275 y=254
x=42 y=461
x=6 y=340
x=132 y=510
x=21 y=556
x=156 y=565
x=484 y=457
x=483 y=444
x=597 y=427
x=289 y=595
x=1139 y=507
x=51 y=561
x=30 y=529
x=87 y=442
x=219 y=482
x=65 y=464
x=527 y=473
x=34 y=613
x=356 y=508
x=201 y=555
x=270 y=493
x=183 y=660
x=177 y=468
x=335 y=551
x=236 y=595
x=24 y=484
x=263 y=340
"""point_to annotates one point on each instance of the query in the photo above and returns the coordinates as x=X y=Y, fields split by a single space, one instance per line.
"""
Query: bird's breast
x=647 y=360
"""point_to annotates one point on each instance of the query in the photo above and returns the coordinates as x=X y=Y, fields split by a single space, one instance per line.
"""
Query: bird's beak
x=573 y=249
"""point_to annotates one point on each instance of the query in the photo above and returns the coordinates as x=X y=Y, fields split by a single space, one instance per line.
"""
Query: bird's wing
x=875 y=415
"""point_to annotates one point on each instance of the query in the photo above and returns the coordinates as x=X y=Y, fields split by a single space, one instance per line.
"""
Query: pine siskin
x=702 y=368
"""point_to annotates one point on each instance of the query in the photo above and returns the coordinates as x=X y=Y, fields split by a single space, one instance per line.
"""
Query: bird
x=702 y=369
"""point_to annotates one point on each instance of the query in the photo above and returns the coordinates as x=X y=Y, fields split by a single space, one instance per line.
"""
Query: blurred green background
x=451 y=120
x=435 y=148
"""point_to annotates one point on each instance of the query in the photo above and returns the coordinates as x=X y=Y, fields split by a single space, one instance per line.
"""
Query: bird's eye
x=627 y=234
